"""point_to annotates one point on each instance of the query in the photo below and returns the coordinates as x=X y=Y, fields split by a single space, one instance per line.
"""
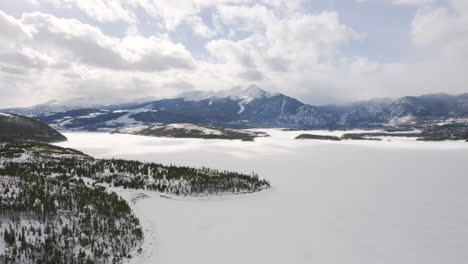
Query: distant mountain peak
x=246 y=94
x=254 y=91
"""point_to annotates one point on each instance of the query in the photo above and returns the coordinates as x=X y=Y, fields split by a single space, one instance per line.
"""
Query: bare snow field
x=363 y=202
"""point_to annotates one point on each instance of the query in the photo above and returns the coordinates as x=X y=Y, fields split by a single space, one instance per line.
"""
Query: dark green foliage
x=451 y=131
x=434 y=134
x=23 y=128
x=48 y=214
x=379 y=134
x=224 y=133
x=136 y=175
x=57 y=220
x=359 y=136
x=178 y=180
x=319 y=137
x=10 y=149
x=443 y=135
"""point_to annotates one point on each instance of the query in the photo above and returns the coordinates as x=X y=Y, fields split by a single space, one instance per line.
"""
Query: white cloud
x=100 y=10
x=69 y=41
x=44 y=57
x=171 y=13
x=309 y=38
x=412 y=2
x=400 y=2
x=444 y=29
x=276 y=44
x=200 y=28
x=302 y=39
x=281 y=52
x=362 y=65
x=11 y=31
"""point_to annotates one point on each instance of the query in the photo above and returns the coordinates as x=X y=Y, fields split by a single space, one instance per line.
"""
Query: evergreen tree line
x=178 y=180
x=48 y=214
x=62 y=220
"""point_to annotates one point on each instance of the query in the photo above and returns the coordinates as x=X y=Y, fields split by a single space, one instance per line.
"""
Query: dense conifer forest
x=22 y=128
x=62 y=220
x=55 y=207
x=42 y=160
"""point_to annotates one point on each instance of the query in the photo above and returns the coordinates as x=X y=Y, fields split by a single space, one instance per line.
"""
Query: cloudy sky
x=319 y=51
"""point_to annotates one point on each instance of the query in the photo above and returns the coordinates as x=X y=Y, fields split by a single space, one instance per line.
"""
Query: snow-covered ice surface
x=362 y=202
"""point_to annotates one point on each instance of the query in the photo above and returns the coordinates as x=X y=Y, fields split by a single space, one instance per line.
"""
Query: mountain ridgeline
x=22 y=128
x=255 y=108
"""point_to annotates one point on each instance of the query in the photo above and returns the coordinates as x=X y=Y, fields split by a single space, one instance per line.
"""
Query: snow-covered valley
x=397 y=201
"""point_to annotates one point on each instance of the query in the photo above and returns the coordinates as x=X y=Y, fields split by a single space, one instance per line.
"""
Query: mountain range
x=253 y=107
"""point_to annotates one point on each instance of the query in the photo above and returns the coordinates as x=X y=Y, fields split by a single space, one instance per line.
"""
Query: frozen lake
x=360 y=202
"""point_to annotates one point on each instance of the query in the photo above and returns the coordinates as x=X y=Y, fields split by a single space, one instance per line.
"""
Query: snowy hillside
x=244 y=94
x=17 y=127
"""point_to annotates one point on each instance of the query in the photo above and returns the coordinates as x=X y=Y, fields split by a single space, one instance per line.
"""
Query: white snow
x=5 y=114
x=130 y=130
x=361 y=202
x=127 y=120
x=189 y=127
x=245 y=94
x=453 y=121
x=242 y=107
x=283 y=104
x=92 y=115
x=408 y=119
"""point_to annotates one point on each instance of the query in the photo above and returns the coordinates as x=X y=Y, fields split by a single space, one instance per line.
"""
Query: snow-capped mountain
x=236 y=108
x=243 y=96
x=249 y=107
x=55 y=106
x=253 y=107
x=237 y=93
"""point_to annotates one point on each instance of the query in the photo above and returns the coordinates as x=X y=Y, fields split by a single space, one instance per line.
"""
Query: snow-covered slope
x=22 y=128
x=365 y=113
x=238 y=93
